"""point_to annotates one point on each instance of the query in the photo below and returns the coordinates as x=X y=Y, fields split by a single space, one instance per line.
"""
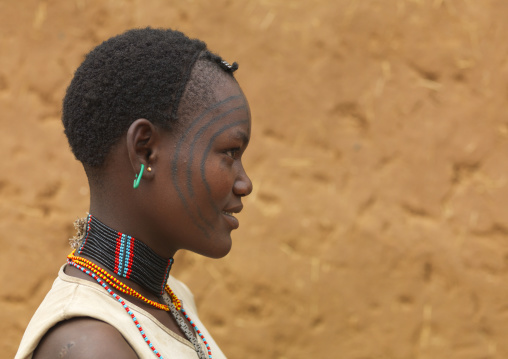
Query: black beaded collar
x=124 y=255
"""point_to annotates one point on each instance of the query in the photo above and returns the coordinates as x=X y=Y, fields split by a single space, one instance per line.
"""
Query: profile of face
x=199 y=179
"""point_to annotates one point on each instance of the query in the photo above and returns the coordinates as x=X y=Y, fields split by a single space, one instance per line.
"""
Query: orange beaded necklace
x=120 y=286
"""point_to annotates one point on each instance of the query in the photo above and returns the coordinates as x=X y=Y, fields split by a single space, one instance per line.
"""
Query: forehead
x=226 y=114
x=228 y=101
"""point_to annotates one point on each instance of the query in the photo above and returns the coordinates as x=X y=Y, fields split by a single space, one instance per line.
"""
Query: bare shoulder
x=83 y=338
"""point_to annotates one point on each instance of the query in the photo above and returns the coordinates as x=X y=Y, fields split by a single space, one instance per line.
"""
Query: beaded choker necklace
x=125 y=256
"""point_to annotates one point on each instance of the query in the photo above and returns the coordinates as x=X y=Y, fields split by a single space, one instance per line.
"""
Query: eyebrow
x=242 y=136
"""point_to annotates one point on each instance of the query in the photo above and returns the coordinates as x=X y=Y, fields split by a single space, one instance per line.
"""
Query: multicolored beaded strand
x=174 y=299
x=198 y=331
x=112 y=281
x=99 y=273
x=178 y=306
x=180 y=320
x=121 y=301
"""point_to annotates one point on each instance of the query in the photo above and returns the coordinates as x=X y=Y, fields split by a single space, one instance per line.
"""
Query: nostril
x=243 y=188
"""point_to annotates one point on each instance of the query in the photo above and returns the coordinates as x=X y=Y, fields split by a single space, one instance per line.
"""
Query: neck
x=122 y=208
x=126 y=256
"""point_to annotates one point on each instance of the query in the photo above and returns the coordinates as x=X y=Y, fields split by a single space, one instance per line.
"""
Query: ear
x=143 y=140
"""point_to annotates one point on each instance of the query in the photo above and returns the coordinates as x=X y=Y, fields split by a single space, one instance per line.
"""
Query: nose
x=243 y=184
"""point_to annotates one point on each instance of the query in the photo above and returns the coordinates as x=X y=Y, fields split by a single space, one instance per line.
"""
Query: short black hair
x=141 y=73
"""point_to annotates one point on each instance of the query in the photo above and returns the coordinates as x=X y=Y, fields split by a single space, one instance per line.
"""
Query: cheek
x=218 y=179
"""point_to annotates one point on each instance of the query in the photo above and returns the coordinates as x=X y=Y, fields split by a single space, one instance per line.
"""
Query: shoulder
x=81 y=338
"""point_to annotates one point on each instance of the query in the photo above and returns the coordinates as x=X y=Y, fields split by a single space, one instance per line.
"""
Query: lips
x=230 y=218
x=232 y=221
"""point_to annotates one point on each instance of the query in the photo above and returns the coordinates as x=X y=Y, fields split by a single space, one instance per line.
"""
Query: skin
x=196 y=176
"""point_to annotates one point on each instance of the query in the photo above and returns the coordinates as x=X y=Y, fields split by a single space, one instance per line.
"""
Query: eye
x=233 y=152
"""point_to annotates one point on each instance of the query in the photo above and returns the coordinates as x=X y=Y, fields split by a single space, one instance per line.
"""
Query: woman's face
x=199 y=179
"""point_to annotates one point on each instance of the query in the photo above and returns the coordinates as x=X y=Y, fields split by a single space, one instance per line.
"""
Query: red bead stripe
x=117 y=251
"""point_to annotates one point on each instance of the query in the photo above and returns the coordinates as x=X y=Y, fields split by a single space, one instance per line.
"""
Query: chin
x=220 y=248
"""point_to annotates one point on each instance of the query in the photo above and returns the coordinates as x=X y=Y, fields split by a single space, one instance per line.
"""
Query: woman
x=160 y=125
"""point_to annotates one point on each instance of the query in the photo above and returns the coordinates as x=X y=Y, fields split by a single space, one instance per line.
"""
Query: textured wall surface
x=378 y=227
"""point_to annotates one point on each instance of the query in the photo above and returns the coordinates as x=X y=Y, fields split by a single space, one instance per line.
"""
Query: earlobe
x=142 y=140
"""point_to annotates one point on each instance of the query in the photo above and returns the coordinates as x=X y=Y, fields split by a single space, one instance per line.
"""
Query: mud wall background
x=378 y=227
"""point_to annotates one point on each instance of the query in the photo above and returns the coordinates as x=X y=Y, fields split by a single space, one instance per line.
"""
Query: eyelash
x=233 y=152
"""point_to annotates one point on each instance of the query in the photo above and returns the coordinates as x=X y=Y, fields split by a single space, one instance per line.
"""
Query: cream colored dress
x=74 y=297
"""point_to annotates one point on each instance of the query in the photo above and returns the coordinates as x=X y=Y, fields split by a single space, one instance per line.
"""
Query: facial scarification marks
x=197 y=216
x=174 y=164
x=198 y=135
x=207 y=151
x=202 y=170
x=189 y=171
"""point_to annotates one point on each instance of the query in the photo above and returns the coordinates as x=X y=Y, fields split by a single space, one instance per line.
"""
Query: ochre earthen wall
x=378 y=227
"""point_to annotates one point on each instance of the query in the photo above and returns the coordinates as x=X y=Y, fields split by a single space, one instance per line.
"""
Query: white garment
x=75 y=297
